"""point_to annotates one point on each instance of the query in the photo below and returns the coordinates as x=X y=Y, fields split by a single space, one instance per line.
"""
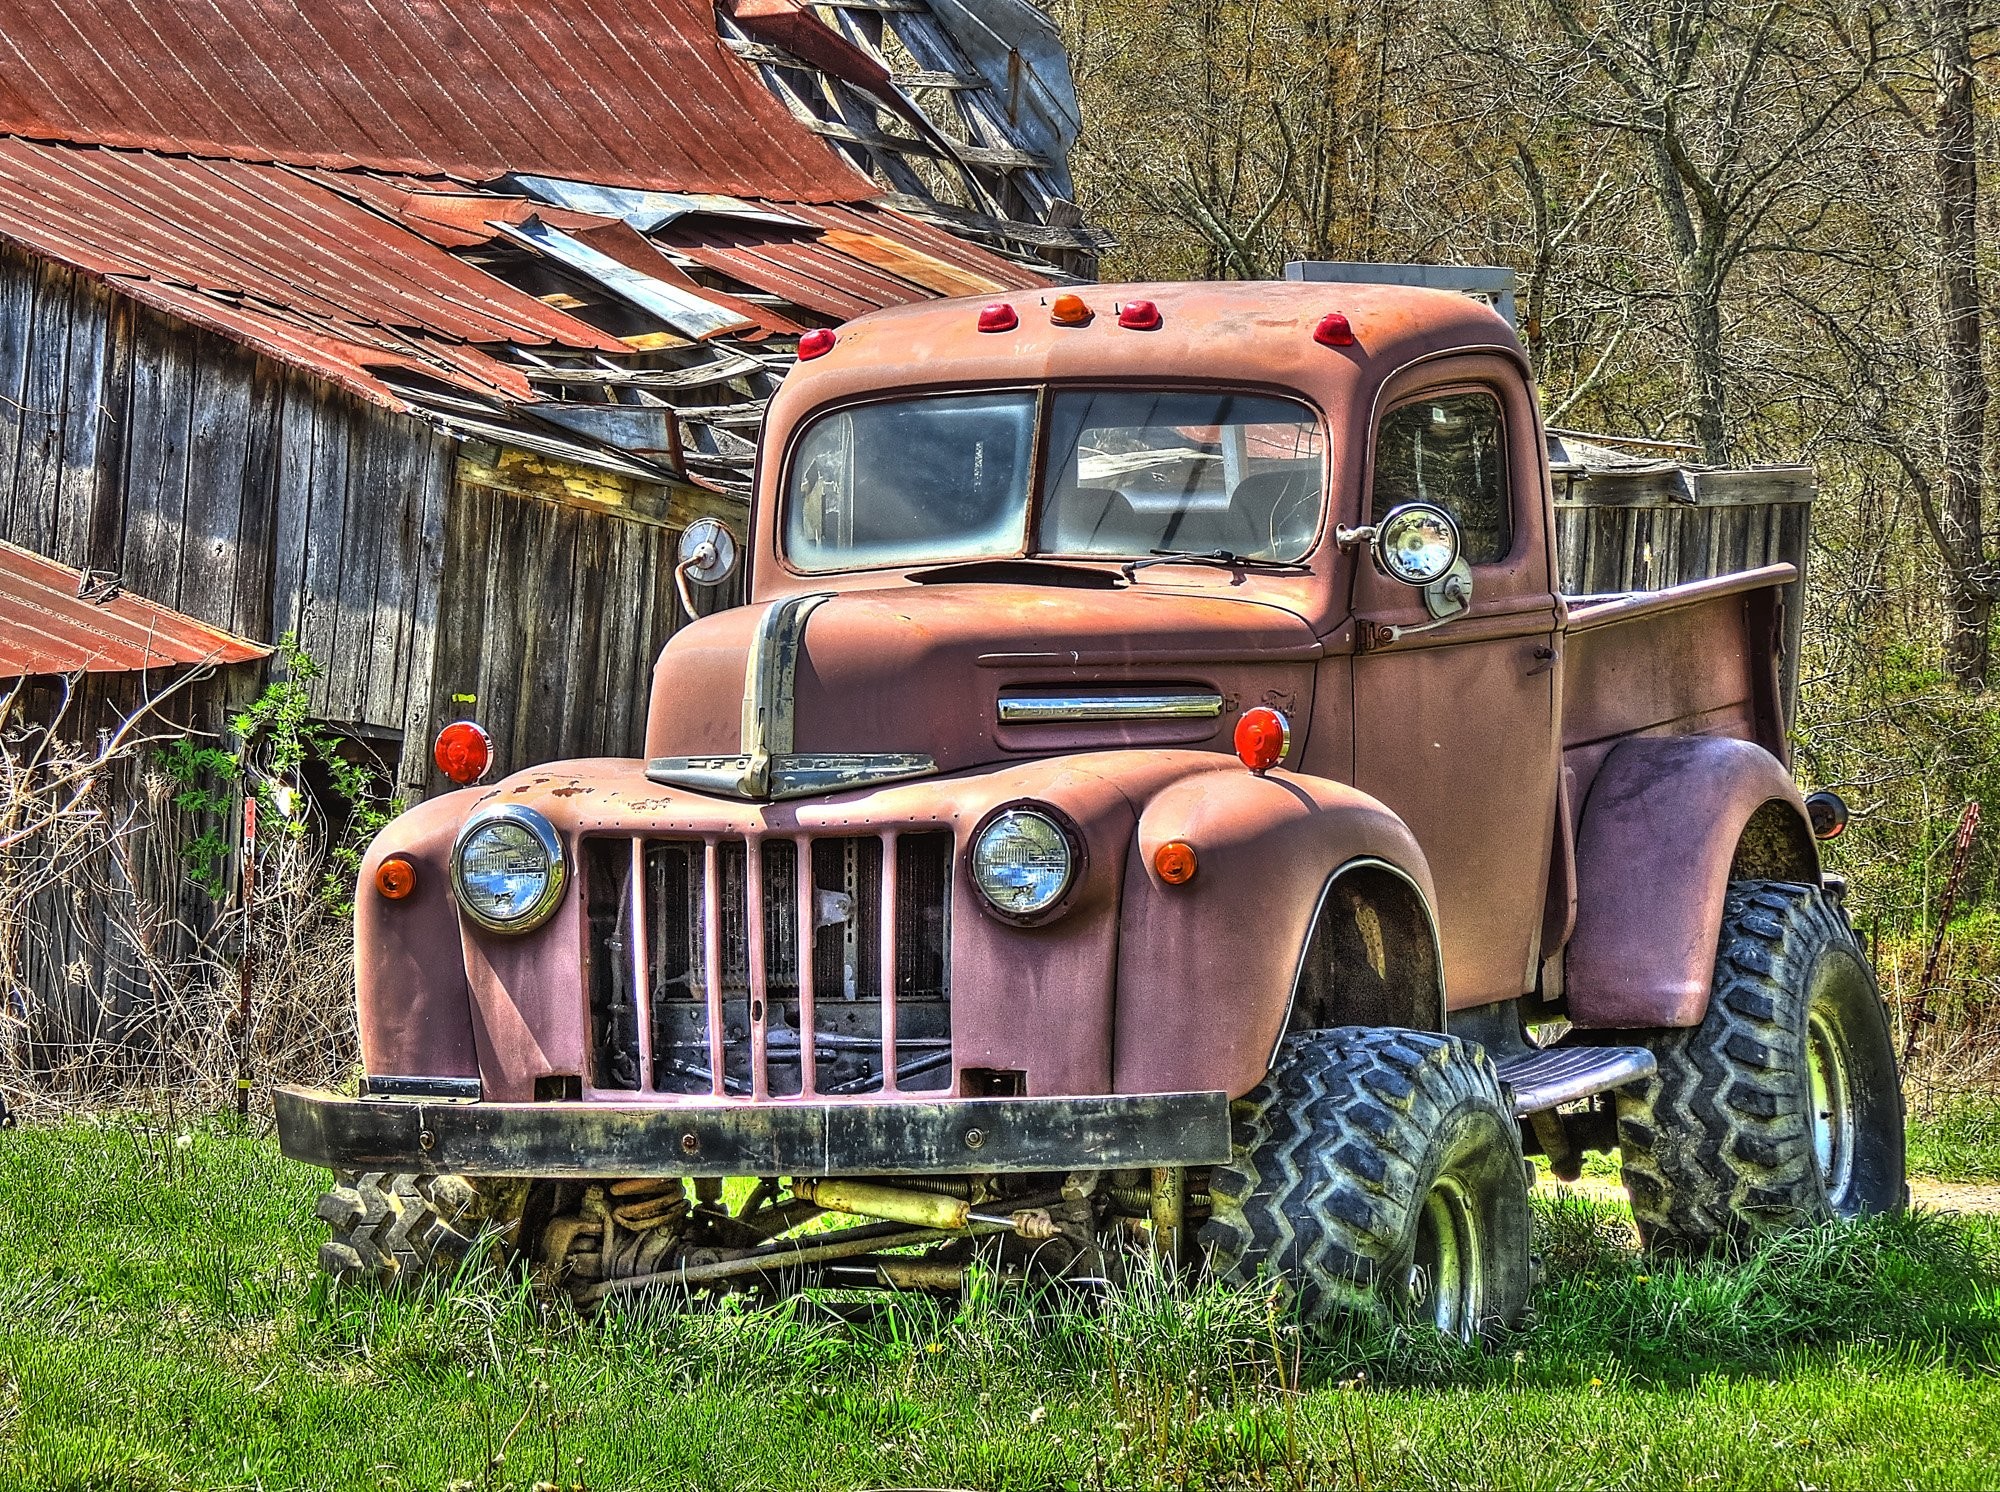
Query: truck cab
x=1153 y=708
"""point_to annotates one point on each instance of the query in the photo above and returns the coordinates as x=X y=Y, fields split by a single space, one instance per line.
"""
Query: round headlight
x=1022 y=862
x=507 y=869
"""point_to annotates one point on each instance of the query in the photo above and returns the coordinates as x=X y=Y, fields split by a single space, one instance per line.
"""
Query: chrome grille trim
x=770 y=967
x=1068 y=709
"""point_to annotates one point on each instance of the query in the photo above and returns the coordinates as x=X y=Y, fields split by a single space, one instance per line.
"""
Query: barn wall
x=224 y=485
x=554 y=609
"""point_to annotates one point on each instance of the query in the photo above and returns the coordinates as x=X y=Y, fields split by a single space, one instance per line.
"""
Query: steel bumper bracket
x=902 y=1137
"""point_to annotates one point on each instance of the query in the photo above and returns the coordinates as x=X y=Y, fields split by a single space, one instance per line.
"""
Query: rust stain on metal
x=57 y=620
x=643 y=94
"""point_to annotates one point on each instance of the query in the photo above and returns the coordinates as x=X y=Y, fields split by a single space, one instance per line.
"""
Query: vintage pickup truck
x=1155 y=794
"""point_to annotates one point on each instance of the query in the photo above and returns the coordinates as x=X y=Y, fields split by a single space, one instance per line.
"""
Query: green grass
x=162 y=1326
x=1956 y=1137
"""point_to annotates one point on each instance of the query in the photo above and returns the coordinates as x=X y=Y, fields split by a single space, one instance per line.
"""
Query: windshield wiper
x=1225 y=557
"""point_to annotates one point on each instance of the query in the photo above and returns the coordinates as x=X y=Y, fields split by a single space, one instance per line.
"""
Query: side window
x=1450 y=450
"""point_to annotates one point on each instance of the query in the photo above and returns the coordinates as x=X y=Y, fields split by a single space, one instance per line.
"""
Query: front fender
x=1206 y=969
x=1668 y=821
x=413 y=1001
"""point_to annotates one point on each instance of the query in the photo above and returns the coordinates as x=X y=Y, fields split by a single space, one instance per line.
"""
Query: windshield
x=1123 y=474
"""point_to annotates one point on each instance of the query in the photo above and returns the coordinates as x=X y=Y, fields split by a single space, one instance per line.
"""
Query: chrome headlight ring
x=1026 y=860
x=508 y=868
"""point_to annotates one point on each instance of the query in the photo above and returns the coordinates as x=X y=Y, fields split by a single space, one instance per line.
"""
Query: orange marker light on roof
x=395 y=878
x=1174 y=861
x=1070 y=310
x=463 y=752
x=1139 y=316
x=998 y=317
x=1263 y=737
x=816 y=343
x=1334 y=330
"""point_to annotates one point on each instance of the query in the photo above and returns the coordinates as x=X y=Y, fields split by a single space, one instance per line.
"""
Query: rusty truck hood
x=963 y=675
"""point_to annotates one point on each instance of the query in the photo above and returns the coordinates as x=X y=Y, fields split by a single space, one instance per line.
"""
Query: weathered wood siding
x=224 y=485
x=1644 y=531
x=552 y=616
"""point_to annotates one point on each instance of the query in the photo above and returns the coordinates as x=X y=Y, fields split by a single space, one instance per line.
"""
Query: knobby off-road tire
x=1783 y=1107
x=397 y=1230
x=1378 y=1170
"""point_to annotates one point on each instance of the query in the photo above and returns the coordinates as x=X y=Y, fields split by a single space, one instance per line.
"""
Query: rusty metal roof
x=847 y=261
x=641 y=93
x=262 y=233
x=49 y=624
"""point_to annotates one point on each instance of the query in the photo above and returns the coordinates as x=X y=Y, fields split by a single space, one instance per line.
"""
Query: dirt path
x=1925 y=1191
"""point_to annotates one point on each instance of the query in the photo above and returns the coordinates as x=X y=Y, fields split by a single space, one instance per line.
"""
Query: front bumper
x=901 y=1137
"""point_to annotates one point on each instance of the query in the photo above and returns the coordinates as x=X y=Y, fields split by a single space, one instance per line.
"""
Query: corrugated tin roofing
x=48 y=627
x=829 y=275
x=262 y=233
x=640 y=93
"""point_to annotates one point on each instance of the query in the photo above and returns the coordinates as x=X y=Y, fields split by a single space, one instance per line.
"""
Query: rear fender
x=412 y=998
x=1669 y=822
x=1208 y=970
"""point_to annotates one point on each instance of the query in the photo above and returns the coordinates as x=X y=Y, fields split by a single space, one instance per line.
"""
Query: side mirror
x=707 y=557
x=1417 y=544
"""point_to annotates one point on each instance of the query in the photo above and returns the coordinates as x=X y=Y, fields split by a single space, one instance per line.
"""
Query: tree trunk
x=1968 y=589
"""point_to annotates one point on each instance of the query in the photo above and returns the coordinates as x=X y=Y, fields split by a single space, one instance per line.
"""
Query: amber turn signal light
x=463 y=752
x=1069 y=310
x=1174 y=860
x=1263 y=737
x=395 y=878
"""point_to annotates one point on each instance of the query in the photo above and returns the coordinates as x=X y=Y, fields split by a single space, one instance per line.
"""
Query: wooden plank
x=428 y=566
x=73 y=509
x=370 y=509
x=544 y=611
x=594 y=588
x=319 y=588
x=44 y=391
x=156 y=463
x=104 y=539
x=17 y=301
x=293 y=498
x=218 y=441
x=404 y=454
x=460 y=649
x=256 y=527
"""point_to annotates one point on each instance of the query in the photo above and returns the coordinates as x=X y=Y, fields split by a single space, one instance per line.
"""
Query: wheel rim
x=1445 y=1275
x=1832 y=1105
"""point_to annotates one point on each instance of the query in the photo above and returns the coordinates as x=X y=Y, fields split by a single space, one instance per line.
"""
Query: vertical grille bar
x=808 y=1039
x=753 y=935
x=888 y=947
x=642 y=965
x=711 y=920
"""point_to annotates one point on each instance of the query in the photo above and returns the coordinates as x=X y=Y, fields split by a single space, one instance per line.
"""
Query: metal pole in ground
x=1961 y=853
x=243 y=954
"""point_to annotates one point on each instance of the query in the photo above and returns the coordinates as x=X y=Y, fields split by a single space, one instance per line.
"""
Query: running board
x=1560 y=1075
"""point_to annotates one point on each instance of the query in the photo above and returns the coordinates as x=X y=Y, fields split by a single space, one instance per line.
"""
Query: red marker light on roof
x=463 y=752
x=1139 y=316
x=998 y=317
x=1263 y=736
x=1334 y=330
x=816 y=343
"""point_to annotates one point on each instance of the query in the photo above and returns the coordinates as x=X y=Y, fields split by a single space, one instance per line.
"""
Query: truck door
x=1455 y=727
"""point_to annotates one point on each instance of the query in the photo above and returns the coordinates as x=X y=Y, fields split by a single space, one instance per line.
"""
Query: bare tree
x=1733 y=107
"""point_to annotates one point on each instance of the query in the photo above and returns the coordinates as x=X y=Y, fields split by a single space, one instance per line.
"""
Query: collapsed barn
x=420 y=340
